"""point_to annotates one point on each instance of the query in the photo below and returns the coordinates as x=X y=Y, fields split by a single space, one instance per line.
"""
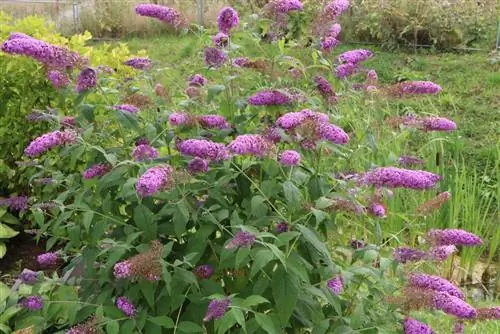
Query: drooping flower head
x=392 y=177
x=178 y=118
x=28 y=276
x=96 y=170
x=441 y=253
x=405 y=255
x=415 y=88
x=290 y=158
x=269 y=97
x=256 y=145
x=197 y=80
x=282 y=227
x=330 y=38
x=139 y=63
x=434 y=203
x=32 y=303
x=332 y=133
x=162 y=13
x=47 y=259
x=16 y=203
x=144 y=265
x=241 y=239
x=154 y=180
x=86 y=80
x=213 y=122
x=377 y=209
x=241 y=62
x=203 y=148
x=228 y=18
x=412 y=326
x=355 y=56
x=437 y=124
x=286 y=6
x=122 y=270
x=68 y=121
x=217 y=308
x=215 y=57
x=336 y=285
x=221 y=40
x=48 y=141
x=344 y=70
x=127 y=108
x=454 y=306
x=204 y=271
x=335 y=7
x=325 y=89
x=455 y=237
x=126 y=306
x=424 y=281
x=144 y=152
x=58 y=79
x=197 y=165
x=88 y=327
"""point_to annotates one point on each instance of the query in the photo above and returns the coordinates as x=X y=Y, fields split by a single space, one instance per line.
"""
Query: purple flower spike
x=336 y=285
x=228 y=18
x=48 y=141
x=213 y=122
x=126 y=108
x=441 y=253
x=87 y=79
x=332 y=134
x=197 y=80
x=392 y=177
x=122 y=270
x=419 y=87
x=154 y=180
x=241 y=62
x=16 y=203
x=47 y=259
x=377 y=209
x=438 y=124
x=221 y=40
x=256 y=145
x=344 y=70
x=453 y=237
x=290 y=158
x=144 y=153
x=28 y=276
x=355 y=56
x=325 y=89
x=204 y=149
x=436 y=283
x=126 y=306
x=270 y=97
x=405 y=255
x=32 y=303
x=286 y=6
x=335 y=7
x=197 y=165
x=162 y=13
x=58 y=79
x=454 y=306
x=204 y=271
x=96 y=170
x=139 y=63
x=412 y=326
x=242 y=239
x=282 y=227
x=178 y=118
x=217 y=308
x=215 y=57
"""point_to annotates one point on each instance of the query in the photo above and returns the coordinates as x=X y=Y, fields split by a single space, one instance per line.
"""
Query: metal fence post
x=200 y=6
x=75 y=16
x=498 y=37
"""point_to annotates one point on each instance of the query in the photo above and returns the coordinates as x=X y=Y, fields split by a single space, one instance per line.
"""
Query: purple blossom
x=241 y=62
x=48 y=141
x=335 y=7
x=14 y=35
x=16 y=203
x=344 y=70
x=329 y=40
x=250 y=144
x=28 y=276
x=32 y=303
x=441 y=253
x=437 y=124
x=47 y=259
x=215 y=57
x=286 y=6
x=459 y=327
x=162 y=13
x=221 y=40
x=418 y=87
x=96 y=170
x=213 y=122
x=68 y=121
x=412 y=326
x=52 y=56
x=488 y=313
x=377 y=209
x=126 y=306
x=217 y=308
x=325 y=89
x=144 y=152
x=355 y=56
x=424 y=281
x=58 y=79
x=178 y=118
x=228 y=18
x=405 y=255
x=455 y=237
x=291 y=120
x=332 y=133
x=126 y=108
x=154 y=180
x=139 y=63
x=273 y=135
x=392 y=177
x=282 y=227
x=270 y=97
x=122 y=270
x=241 y=239
x=197 y=80
x=204 y=271
x=87 y=79
x=407 y=160
x=290 y=158
x=203 y=148
x=197 y=165
x=336 y=285
x=454 y=306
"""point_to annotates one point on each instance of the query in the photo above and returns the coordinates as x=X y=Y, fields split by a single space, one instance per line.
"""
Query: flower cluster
x=96 y=170
x=412 y=326
x=216 y=309
x=144 y=152
x=228 y=19
x=126 y=306
x=86 y=80
x=405 y=255
x=197 y=165
x=203 y=148
x=32 y=303
x=424 y=281
x=282 y=227
x=126 y=108
x=197 y=80
x=256 y=145
x=336 y=285
x=139 y=63
x=335 y=8
x=88 y=327
x=16 y=203
x=455 y=237
x=154 y=180
x=221 y=40
x=392 y=177
x=204 y=271
x=178 y=118
x=330 y=38
x=47 y=259
x=325 y=89
x=290 y=158
x=58 y=79
x=408 y=88
x=28 y=276
x=162 y=13
x=144 y=265
x=213 y=122
x=270 y=97
x=242 y=239
x=215 y=57
x=48 y=141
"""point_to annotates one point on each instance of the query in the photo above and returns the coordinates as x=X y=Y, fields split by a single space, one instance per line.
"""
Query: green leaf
x=112 y=327
x=293 y=195
x=145 y=220
x=9 y=313
x=4 y=292
x=254 y=300
x=163 y=321
x=214 y=90
x=148 y=290
x=242 y=256
x=190 y=327
x=261 y=258
x=3 y=251
x=225 y=323
x=6 y=232
x=266 y=322
x=313 y=239
x=285 y=293
x=87 y=219
x=258 y=206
